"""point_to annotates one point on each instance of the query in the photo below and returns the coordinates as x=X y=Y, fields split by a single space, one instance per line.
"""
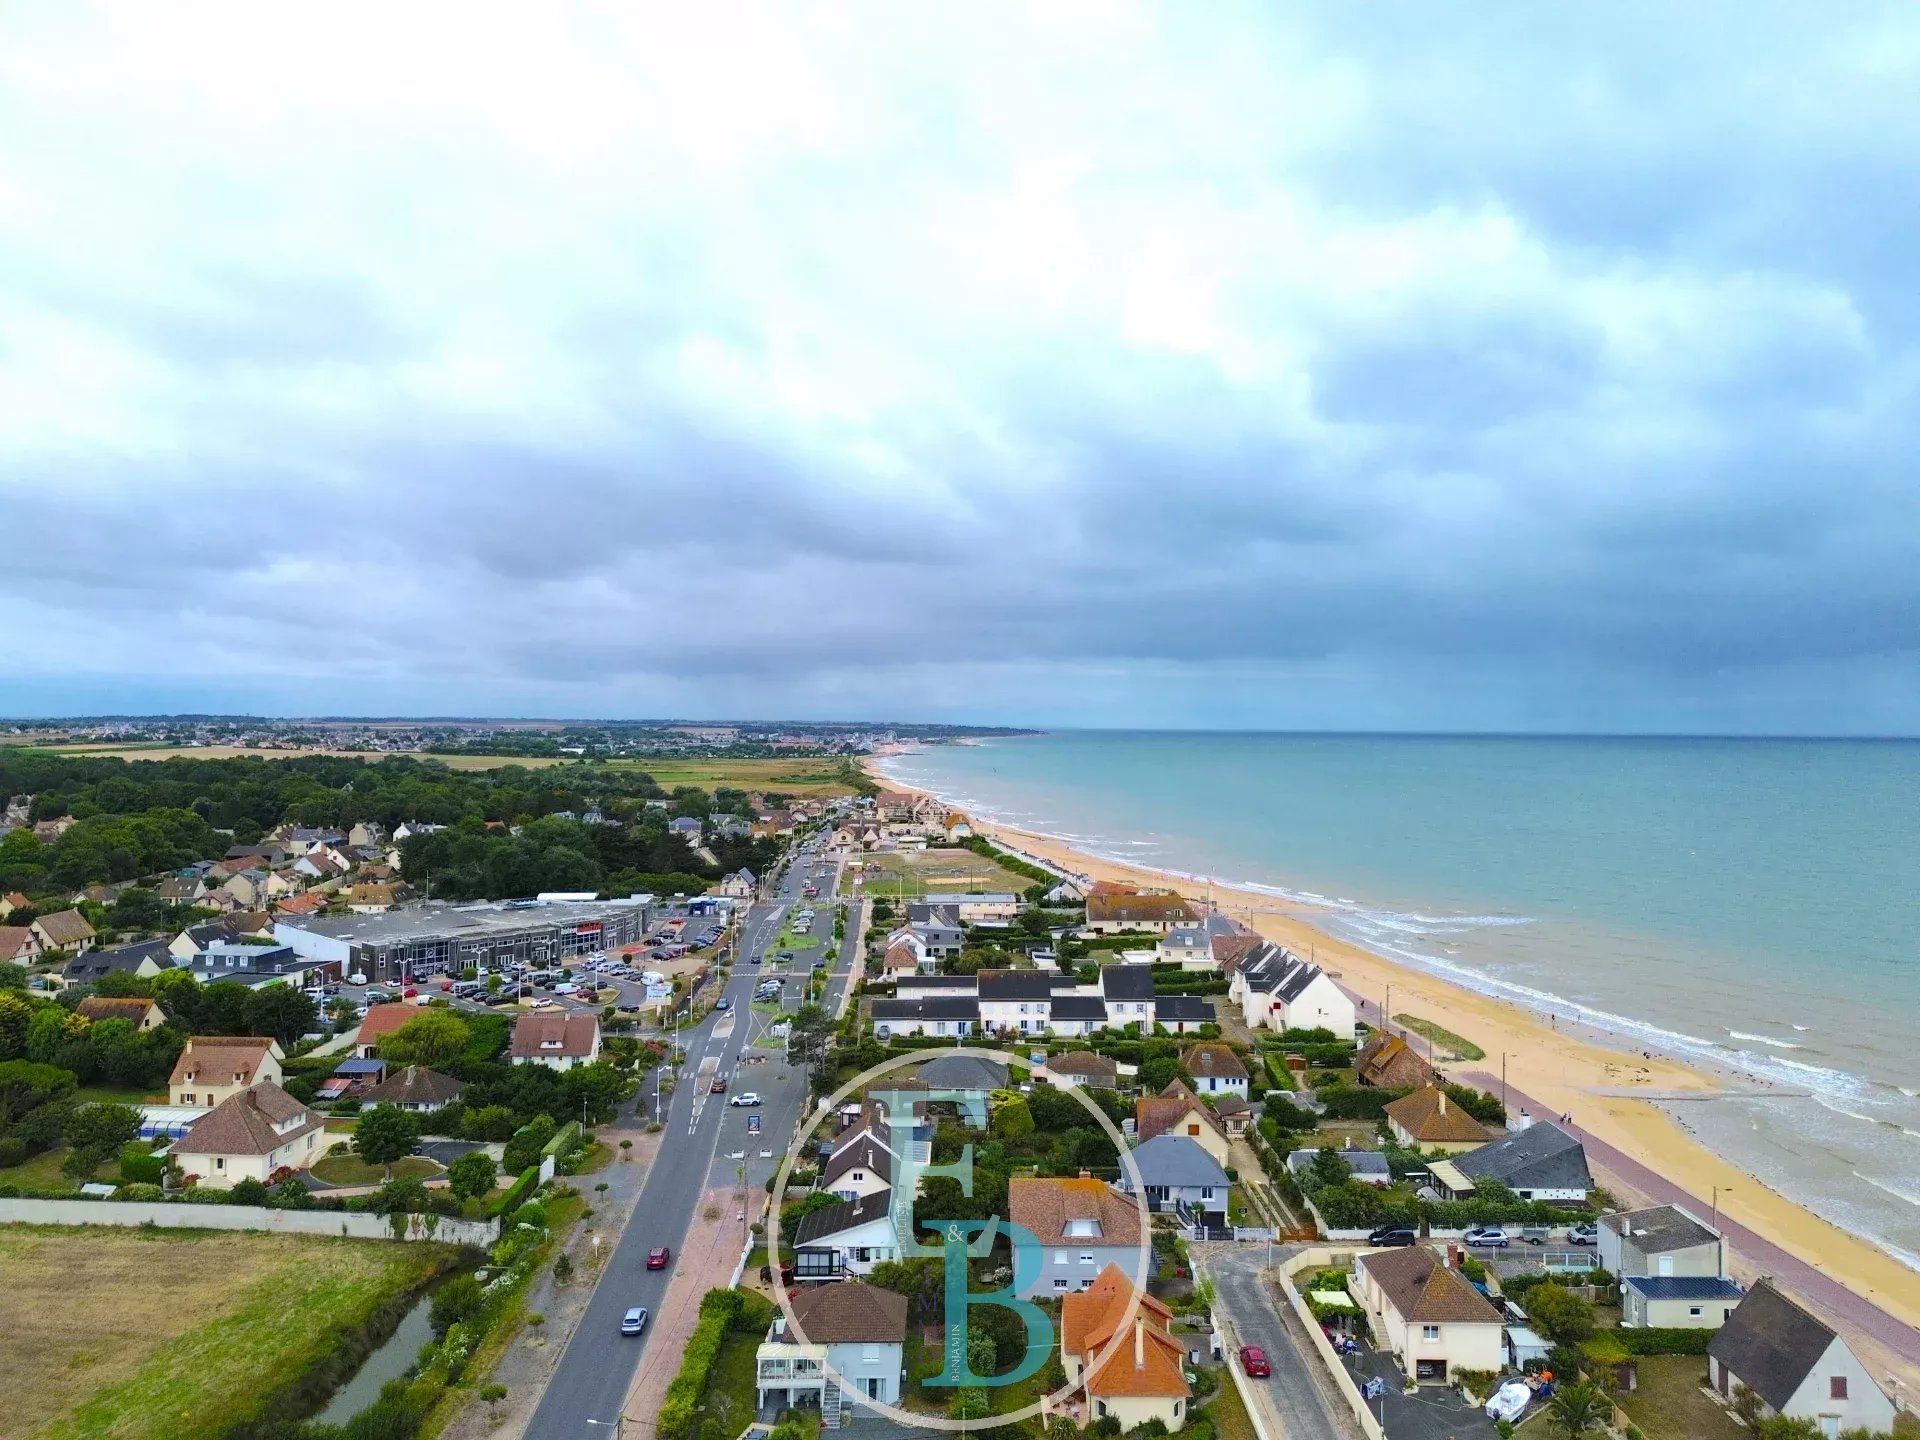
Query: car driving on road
x=658 y=1257
x=1253 y=1360
x=634 y=1322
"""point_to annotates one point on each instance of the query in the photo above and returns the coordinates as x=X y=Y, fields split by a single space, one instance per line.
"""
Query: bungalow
x=849 y=1238
x=1082 y=1226
x=1236 y=1115
x=973 y=908
x=140 y=1013
x=1794 y=1365
x=63 y=930
x=1433 y=1321
x=1277 y=989
x=1215 y=1069
x=555 y=1039
x=259 y=1133
x=1133 y=1371
x=214 y=1068
x=962 y=1072
x=145 y=960
x=416 y=1088
x=1678 y=1302
x=1157 y=914
x=953 y=1015
x=846 y=1344
x=352 y=1079
x=18 y=945
x=1386 y=1062
x=1086 y=1068
x=1541 y=1162
x=1176 y=1110
x=1177 y=1174
x=1369 y=1167
x=1432 y=1120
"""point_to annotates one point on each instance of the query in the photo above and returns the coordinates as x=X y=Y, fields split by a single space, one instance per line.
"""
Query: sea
x=1748 y=905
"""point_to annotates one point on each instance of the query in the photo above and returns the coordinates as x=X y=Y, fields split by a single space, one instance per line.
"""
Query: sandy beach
x=1608 y=1091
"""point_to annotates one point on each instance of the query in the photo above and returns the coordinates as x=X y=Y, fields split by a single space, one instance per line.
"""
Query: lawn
x=352 y=1170
x=178 y=1335
x=817 y=776
x=1462 y=1048
x=1228 y=1412
x=42 y=1172
x=914 y=872
x=1669 y=1406
x=732 y=1395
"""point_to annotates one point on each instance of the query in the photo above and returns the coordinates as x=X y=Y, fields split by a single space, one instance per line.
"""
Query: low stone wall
x=356 y=1225
x=1320 y=1259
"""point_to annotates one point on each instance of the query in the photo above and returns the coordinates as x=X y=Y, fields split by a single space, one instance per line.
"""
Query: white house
x=1215 y=1069
x=1794 y=1365
x=254 y=1135
x=848 y=1346
x=951 y=1015
x=859 y=1170
x=212 y=1069
x=1178 y=1175
x=1662 y=1240
x=555 y=1039
x=972 y=908
x=849 y=1238
x=1277 y=990
x=1433 y=1321
x=1016 y=1001
x=1541 y=1162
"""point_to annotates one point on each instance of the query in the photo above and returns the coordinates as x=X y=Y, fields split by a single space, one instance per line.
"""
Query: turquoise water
x=1753 y=904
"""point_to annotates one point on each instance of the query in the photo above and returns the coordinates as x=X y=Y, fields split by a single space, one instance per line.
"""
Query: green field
x=1669 y=1405
x=913 y=873
x=791 y=777
x=179 y=1335
x=1461 y=1047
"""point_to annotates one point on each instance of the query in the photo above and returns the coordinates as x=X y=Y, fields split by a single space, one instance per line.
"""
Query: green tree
x=1578 y=1409
x=472 y=1175
x=384 y=1134
x=400 y=1197
x=1329 y=1168
x=1559 y=1314
x=26 y=1086
x=435 y=1038
x=1012 y=1120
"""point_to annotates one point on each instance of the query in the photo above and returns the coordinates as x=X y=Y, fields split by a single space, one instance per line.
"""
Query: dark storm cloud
x=1521 y=368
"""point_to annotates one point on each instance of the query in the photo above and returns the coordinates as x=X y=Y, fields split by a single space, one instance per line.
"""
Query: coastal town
x=645 y=1147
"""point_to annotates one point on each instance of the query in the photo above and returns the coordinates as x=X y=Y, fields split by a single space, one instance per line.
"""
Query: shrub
x=140 y=1166
x=248 y=1192
x=455 y=1303
x=719 y=1309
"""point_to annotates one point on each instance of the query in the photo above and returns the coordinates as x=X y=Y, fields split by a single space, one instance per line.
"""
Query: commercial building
x=434 y=939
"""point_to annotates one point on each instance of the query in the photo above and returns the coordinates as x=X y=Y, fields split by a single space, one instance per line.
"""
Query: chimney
x=1443 y=1102
x=1453 y=1256
x=1086 y=1174
x=1626 y=1226
x=1139 y=1343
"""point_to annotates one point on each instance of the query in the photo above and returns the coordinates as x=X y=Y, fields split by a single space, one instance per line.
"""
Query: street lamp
x=618 y=1425
x=1716 y=1204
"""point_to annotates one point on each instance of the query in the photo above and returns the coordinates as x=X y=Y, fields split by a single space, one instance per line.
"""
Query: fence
x=357 y=1225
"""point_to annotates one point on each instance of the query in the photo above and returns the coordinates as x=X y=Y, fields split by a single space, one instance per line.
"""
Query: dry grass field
x=914 y=873
x=140 y=1334
x=232 y=752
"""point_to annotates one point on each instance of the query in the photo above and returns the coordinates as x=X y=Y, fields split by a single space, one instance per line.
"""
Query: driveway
x=1300 y=1399
x=1432 y=1412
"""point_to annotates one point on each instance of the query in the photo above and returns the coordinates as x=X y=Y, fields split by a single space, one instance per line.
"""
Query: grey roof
x=1540 y=1157
x=933 y=917
x=124 y=958
x=1176 y=1160
x=1683 y=1287
x=1079 y=1007
x=964 y=1072
x=928 y=1007
x=866 y=1155
x=1126 y=982
x=1360 y=1162
x=1016 y=985
x=1770 y=1344
x=844 y=1216
x=945 y=984
x=1658 y=1229
x=1182 y=1007
x=1188 y=937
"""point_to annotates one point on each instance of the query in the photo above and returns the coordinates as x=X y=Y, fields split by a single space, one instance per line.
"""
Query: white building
x=1794 y=1365
x=1433 y=1321
x=1277 y=990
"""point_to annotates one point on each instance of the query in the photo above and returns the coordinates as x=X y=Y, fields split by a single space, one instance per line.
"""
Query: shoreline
x=1614 y=1094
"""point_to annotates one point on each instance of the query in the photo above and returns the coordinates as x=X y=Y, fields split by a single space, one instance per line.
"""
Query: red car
x=657 y=1258
x=1254 y=1361
x=719 y=1086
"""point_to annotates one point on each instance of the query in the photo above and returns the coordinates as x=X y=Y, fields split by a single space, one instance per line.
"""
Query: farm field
x=913 y=873
x=175 y=1335
x=234 y=752
x=816 y=776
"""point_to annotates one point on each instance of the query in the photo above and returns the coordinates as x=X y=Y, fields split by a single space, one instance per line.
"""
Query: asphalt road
x=705 y=1142
x=1296 y=1396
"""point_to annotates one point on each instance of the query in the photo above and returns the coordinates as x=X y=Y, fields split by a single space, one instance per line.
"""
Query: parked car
x=1253 y=1360
x=1488 y=1237
x=634 y=1322
x=1393 y=1235
x=1585 y=1233
x=658 y=1257
x=745 y=1097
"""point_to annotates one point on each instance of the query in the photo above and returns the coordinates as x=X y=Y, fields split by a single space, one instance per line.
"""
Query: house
x=846 y=1344
x=1132 y=1368
x=379 y=1022
x=1188 y=946
x=858 y=1170
x=686 y=826
x=1386 y=1062
x=1066 y=892
x=352 y=1079
x=1236 y=1115
x=259 y=1133
x=1215 y=1069
x=1127 y=992
x=1700 y=1302
x=1082 y=1226
x=416 y=1088
x=906 y=955
x=1433 y=1321
x=1176 y=1110
x=1017 y=1001
x=1660 y=1240
x=740 y=885
x=372 y=899
x=320 y=865
x=1369 y=1167
x=18 y=945
x=555 y=1039
x=1541 y=1162
x=145 y=959
x=939 y=929
x=1074 y=1013
x=1432 y=1120
x=365 y=833
x=214 y=1068
x=849 y=1238
x=311 y=902
x=139 y=1013
x=1177 y=1174
x=63 y=930
x=1157 y=914
x=962 y=1072
x=1278 y=990
x=976 y=907
x=11 y=901
x=1086 y=1068
x=1794 y=1365
x=954 y=1015
x=958 y=827
x=181 y=889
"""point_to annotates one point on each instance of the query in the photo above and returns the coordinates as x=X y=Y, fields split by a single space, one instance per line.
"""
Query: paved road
x=1792 y=1272
x=702 y=1137
x=1297 y=1397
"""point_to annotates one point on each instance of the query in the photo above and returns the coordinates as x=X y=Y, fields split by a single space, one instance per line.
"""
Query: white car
x=745 y=1097
x=1509 y=1401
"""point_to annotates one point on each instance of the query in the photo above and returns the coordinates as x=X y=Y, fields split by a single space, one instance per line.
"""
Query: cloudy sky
x=1497 y=366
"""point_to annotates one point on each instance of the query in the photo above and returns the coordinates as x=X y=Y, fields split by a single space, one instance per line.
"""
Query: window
x=1430 y=1334
x=870 y=1354
x=1059 y=1257
x=219 y=1162
x=1061 y=1284
x=1836 y=1387
x=1693 y=1310
x=1086 y=1257
x=1193 y=1128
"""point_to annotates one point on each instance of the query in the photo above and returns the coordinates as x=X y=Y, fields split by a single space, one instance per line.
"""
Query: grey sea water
x=1750 y=904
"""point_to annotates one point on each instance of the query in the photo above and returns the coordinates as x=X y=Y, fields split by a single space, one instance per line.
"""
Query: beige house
x=18 y=944
x=215 y=1068
x=555 y=1039
x=1432 y=1120
x=1178 y=1111
x=141 y=1014
x=261 y=1133
x=1433 y=1321
x=63 y=930
x=1114 y=914
x=1132 y=1368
